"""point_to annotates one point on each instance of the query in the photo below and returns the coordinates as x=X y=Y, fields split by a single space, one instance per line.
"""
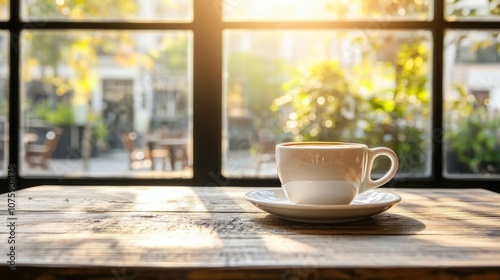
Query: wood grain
x=103 y=232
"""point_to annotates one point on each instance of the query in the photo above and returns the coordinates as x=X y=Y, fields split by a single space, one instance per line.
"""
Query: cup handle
x=372 y=155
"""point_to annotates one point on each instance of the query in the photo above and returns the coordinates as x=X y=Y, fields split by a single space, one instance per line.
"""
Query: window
x=198 y=92
x=94 y=89
x=472 y=104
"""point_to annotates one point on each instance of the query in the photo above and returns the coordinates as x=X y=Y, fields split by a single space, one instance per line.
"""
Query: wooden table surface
x=101 y=232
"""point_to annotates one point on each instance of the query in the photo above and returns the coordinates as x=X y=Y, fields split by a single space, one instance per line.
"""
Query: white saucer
x=365 y=205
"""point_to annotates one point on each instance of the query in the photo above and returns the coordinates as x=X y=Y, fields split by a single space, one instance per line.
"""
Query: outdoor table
x=107 y=232
x=170 y=145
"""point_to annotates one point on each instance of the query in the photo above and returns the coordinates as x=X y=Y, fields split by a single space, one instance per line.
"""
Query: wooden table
x=104 y=232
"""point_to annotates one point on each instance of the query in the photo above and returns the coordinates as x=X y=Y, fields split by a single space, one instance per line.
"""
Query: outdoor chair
x=40 y=154
x=142 y=158
x=178 y=153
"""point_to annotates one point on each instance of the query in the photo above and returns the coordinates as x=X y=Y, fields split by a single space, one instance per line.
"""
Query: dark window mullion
x=437 y=92
x=14 y=80
x=207 y=94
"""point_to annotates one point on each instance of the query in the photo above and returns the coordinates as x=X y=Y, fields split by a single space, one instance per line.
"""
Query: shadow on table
x=386 y=223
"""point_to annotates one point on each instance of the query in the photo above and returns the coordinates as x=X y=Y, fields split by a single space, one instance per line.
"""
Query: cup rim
x=332 y=144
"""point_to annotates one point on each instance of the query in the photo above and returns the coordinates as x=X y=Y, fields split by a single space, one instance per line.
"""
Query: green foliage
x=50 y=47
x=61 y=115
x=101 y=132
x=473 y=132
x=4 y=104
x=172 y=55
x=4 y=110
x=318 y=103
x=475 y=139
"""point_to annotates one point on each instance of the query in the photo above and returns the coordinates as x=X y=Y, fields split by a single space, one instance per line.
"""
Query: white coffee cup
x=325 y=173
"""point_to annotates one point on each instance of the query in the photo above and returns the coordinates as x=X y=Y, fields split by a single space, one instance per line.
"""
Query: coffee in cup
x=326 y=173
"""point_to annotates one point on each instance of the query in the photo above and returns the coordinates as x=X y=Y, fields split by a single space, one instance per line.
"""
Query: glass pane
x=107 y=103
x=108 y=10
x=472 y=104
x=362 y=86
x=4 y=102
x=4 y=9
x=316 y=10
x=472 y=10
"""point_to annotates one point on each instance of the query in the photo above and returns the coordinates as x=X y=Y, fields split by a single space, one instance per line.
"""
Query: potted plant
x=63 y=117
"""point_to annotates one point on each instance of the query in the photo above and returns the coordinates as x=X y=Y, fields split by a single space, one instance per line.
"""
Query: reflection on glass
x=108 y=10
x=472 y=103
x=4 y=102
x=312 y=10
x=472 y=10
x=358 y=86
x=106 y=103
x=4 y=9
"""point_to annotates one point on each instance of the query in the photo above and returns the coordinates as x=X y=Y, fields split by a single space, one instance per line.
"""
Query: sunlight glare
x=281 y=244
x=321 y=100
x=172 y=199
x=328 y=123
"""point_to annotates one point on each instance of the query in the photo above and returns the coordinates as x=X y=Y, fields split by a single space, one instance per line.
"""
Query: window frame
x=207 y=27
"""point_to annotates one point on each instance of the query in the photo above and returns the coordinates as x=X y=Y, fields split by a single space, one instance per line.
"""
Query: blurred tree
x=472 y=133
x=259 y=78
x=318 y=103
x=403 y=111
x=171 y=55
